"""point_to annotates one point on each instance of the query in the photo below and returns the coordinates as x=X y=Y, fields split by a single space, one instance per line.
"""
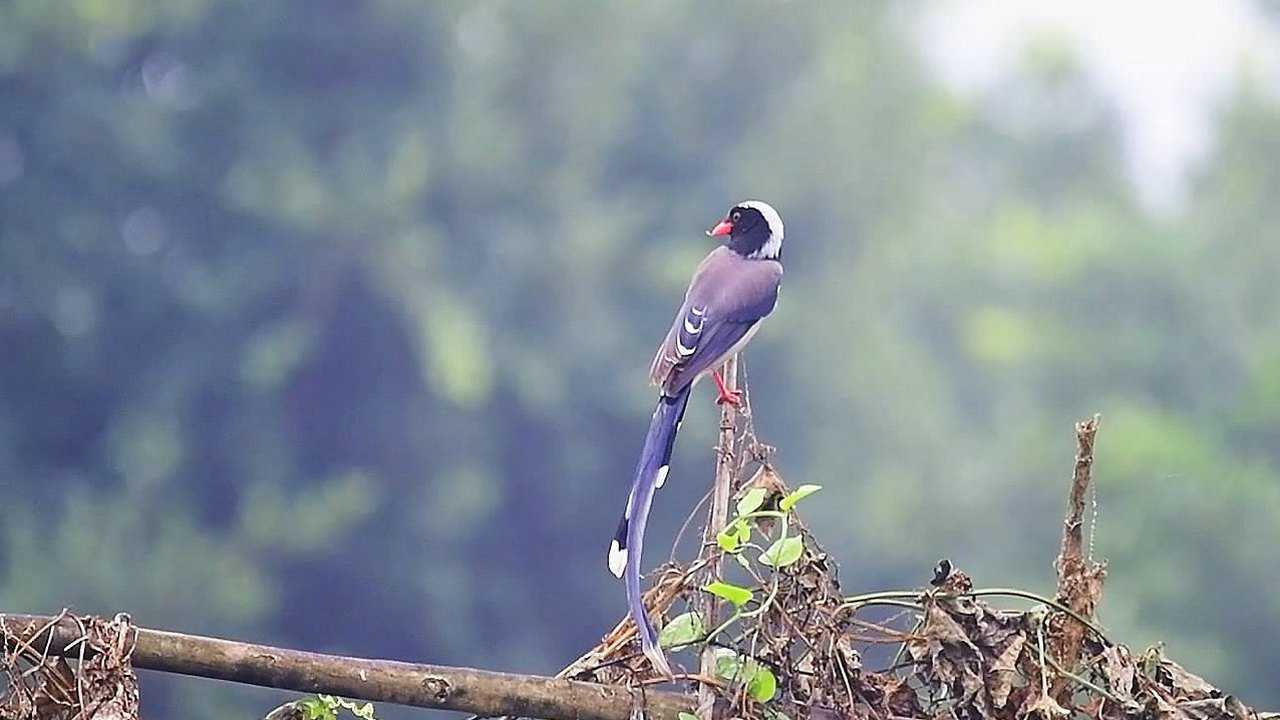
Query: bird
x=734 y=287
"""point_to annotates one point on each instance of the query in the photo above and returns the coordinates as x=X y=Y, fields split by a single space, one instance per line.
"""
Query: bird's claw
x=730 y=397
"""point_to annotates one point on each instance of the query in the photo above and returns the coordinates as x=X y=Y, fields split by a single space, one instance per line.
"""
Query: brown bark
x=719 y=517
x=430 y=686
x=1079 y=577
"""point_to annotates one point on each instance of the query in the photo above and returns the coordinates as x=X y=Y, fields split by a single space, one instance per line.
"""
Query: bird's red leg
x=733 y=397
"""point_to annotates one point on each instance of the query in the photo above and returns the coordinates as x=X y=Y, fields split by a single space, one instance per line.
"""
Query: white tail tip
x=617 y=559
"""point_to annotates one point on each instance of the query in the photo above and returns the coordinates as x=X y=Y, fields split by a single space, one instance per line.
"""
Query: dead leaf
x=1046 y=708
x=941 y=629
x=1185 y=685
x=1118 y=669
x=1004 y=670
x=1208 y=709
x=1093 y=707
x=903 y=699
x=1160 y=709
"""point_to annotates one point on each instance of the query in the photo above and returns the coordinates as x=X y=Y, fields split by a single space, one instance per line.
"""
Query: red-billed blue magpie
x=733 y=289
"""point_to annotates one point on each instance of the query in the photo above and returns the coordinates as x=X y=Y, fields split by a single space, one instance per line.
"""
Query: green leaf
x=783 y=552
x=751 y=501
x=763 y=685
x=315 y=708
x=727 y=664
x=682 y=630
x=796 y=496
x=738 y=532
x=760 y=681
x=739 y=596
x=687 y=716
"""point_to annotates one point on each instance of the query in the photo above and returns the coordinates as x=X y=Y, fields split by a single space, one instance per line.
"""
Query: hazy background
x=326 y=322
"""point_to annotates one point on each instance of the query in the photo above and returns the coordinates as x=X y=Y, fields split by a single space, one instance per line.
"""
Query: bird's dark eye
x=736 y=216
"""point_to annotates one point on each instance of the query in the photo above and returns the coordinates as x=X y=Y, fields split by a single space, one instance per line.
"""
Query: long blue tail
x=624 y=552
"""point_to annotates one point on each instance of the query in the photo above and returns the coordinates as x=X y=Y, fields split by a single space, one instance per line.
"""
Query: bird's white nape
x=773 y=246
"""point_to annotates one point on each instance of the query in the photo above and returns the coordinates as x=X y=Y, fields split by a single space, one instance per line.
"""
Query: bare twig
x=658 y=598
x=688 y=520
x=1079 y=578
x=430 y=686
x=718 y=518
x=1072 y=551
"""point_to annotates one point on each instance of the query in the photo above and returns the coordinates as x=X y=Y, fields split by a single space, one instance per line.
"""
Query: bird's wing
x=728 y=296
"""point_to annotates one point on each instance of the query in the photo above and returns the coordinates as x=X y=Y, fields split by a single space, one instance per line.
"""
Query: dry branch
x=719 y=517
x=430 y=686
x=1079 y=577
x=671 y=584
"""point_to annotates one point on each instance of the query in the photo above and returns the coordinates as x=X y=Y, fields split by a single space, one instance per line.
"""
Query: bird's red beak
x=723 y=228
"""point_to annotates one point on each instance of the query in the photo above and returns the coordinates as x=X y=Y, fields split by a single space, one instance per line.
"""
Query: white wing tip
x=617 y=559
x=661 y=478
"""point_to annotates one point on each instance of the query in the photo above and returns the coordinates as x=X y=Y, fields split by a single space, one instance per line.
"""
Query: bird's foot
x=731 y=397
x=726 y=396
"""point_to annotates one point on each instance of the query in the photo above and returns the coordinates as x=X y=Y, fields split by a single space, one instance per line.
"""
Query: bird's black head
x=753 y=229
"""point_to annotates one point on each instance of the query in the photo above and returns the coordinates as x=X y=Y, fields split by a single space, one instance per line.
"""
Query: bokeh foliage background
x=325 y=322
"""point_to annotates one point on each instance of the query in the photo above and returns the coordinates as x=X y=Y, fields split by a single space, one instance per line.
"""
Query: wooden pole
x=480 y=692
